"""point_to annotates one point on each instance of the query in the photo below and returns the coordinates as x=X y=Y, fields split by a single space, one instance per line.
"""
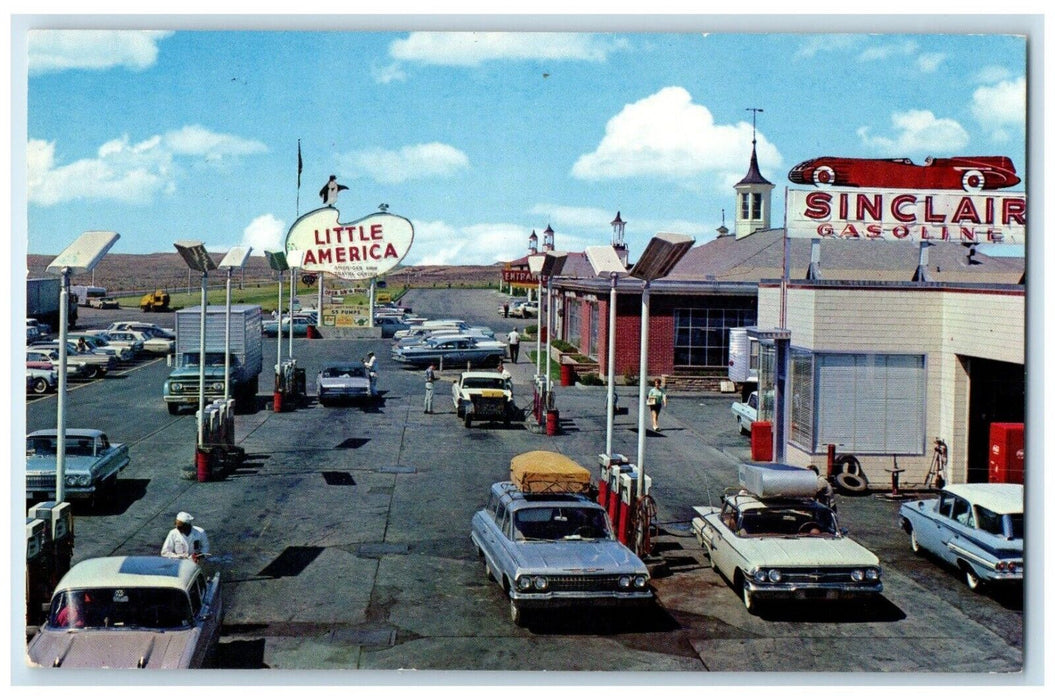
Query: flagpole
x=300 y=169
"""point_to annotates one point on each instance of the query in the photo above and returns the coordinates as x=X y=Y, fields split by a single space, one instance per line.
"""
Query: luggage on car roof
x=541 y=471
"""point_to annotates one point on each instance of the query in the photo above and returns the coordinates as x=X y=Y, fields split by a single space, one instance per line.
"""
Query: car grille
x=561 y=584
x=815 y=576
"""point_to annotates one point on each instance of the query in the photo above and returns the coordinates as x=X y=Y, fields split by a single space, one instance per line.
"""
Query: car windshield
x=787 y=522
x=332 y=372
x=158 y=608
x=560 y=523
x=483 y=383
x=48 y=445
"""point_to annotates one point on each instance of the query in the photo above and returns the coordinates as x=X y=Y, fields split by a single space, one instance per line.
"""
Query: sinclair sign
x=945 y=199
x=362 y=249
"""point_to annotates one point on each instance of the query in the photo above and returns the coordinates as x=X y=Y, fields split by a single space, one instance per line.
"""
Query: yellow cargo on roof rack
x=541 y=471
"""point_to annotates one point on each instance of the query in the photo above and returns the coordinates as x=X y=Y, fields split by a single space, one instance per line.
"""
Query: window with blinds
x=870 y=403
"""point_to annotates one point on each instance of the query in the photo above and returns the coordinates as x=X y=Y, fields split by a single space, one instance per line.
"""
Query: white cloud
x=474 y=48
x=560 y=215
x=123 y=171
x=930 y=62
x=917 y=131
x=53 y=50
x=1000 y=108
x=196 y=140
x=426 y=160
x=439 y=243
x=666 y=135
x=826 y=43
x=992 y=74
x=883 y=51
x=265 y=232
x=391 y=73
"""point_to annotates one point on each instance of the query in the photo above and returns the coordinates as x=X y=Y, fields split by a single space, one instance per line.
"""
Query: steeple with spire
x=618 y=242
x=533 y=243
x=547 y=239
x=754 y=193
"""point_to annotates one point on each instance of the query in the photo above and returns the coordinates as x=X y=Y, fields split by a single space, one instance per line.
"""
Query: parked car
x=548 y=545
x=103 y=303
x=746 y=413
x=157 y=345
x=452 y=350
x=481 y=332
x=132 y=344
x=977 y=528
x=483 y=395
x=390 y=324
x=99 y=344
x=772 y=540
x=43 y=330
x=40 y=380
x=151 y=329
x=347 y=381
x=92 y=464
x=301 y=322
x=971 y=174
x=431 y=325
x=48 y=357
x=529 y=309
x=131 y=612
x=96 y=364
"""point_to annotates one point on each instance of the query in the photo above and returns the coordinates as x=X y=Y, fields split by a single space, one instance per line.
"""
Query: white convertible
x=773 y=540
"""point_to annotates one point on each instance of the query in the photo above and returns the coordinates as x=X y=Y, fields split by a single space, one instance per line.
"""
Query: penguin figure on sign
x=330 y=190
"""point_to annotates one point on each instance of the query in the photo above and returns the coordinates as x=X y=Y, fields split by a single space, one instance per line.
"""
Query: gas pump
x=52 y=540
x=627 y=503
x=604 y=482
x=612 y=506
x=288 y=394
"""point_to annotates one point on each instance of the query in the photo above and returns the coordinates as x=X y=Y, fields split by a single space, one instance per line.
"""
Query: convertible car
x=968 y=173
x=131 y=612
x=977 y=528
x=548 y=544
x=773 y=540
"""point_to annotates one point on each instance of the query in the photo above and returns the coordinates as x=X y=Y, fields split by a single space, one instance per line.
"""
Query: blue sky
x=480 y=138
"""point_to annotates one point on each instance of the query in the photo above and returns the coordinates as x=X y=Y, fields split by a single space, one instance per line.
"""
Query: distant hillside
x=124 y=273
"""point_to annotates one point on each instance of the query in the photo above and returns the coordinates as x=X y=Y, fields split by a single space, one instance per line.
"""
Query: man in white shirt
x=514 y=345
x=185 y=541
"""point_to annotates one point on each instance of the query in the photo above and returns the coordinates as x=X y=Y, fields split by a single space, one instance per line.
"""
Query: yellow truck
x=158 y=300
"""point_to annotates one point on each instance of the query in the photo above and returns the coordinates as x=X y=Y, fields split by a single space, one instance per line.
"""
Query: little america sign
x=362 y=249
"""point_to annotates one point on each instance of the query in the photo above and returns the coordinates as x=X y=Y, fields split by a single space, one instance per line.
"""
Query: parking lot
x=343 y=538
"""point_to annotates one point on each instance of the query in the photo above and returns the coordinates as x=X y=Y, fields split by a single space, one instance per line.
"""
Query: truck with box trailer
x=86 y=293
x=42 y=302
x=246 y=348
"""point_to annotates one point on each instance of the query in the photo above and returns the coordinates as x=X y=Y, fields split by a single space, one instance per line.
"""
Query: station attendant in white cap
x=185 y=541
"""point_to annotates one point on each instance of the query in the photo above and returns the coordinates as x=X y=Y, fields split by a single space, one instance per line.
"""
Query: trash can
x=567 y=374
x=202 y=461
x=762 y=441
x=552 y=421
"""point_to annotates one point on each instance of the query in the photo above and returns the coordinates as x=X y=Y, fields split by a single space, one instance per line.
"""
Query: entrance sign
x=913 y=215
x=362 y=249
x=518 y=277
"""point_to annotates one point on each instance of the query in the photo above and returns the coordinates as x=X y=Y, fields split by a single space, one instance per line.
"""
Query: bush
x=630 y=376
x=563 y=346
x=590 y=379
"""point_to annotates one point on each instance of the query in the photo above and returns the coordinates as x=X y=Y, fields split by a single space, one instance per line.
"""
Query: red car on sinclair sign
x=969 y=173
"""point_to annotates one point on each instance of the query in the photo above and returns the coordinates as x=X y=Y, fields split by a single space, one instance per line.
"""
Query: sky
x=480 y=138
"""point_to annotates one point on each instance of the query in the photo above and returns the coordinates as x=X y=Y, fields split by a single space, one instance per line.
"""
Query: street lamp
x=535 y=267
x=659 y=257
x=294 y=258
x=197 y=258
x=277 y=261
x=235 y=259
x=605 y=261
x=81 y=256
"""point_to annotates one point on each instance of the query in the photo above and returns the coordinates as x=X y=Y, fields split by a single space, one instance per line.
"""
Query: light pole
x=197 y=258
x=80 y=256
x=294 y=258
x=659 y=257
x=605 y=261
x=277 y=261
x=535 y=266
x=235 y=259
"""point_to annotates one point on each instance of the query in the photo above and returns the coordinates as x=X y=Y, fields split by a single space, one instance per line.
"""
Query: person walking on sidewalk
x=430 y=379
x=656 y=400
x=514 y=345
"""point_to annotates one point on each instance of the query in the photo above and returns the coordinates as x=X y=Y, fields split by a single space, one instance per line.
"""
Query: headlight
x=872 y=574
x=775 y=575
x=624 y=582
x=640 y=581
x=78 y=479
x=216 y=386
x=524 y=583
x=759 y=575
x=540 y=583
x=857 y=575
x=176 y=386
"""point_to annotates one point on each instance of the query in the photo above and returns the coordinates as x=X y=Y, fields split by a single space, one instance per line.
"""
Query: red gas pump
x=612 y=506
x=605 y=490
x=627 y=501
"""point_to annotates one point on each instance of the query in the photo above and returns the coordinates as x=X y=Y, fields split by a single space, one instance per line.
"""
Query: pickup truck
x=746 y=413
